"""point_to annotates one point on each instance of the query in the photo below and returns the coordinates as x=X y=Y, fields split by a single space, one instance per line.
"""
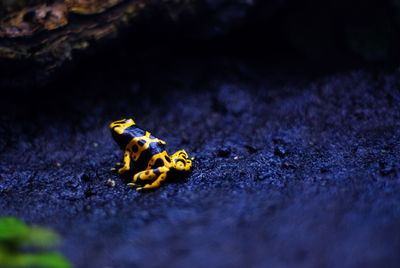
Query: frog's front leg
x=181 y=161
x=158 y=175
x=127 y=161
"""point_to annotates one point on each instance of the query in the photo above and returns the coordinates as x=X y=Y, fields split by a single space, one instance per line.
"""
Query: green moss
x=23 y=246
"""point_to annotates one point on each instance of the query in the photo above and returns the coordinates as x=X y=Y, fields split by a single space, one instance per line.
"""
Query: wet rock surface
x=290 y=169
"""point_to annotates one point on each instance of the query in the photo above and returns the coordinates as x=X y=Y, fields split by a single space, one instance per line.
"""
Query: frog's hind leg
x=158 y=175
x=154 y=184
x=182 y=163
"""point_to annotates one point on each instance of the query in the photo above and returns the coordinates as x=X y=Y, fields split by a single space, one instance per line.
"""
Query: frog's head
x=118 y=131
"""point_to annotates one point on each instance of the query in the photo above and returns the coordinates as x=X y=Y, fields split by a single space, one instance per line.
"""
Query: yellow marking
x=127 y=161
x=163 y=170
x=162 y=156
x=121 y=125
x=154 y=184
x=135 y=141
x=181 y=155
x=151 y=174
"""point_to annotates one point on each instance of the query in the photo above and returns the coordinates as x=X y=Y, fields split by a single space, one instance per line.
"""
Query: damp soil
x=295 y=165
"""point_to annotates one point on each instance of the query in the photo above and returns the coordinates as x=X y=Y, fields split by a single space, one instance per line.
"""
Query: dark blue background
x=296 y=155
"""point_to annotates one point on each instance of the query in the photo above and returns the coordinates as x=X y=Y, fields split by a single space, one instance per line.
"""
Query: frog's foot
x=122 y=170
x=181 y=160
x=116 y=167
x=158 y=175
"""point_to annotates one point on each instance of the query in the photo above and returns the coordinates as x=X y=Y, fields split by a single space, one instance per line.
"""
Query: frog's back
x=142 y=137
x=135 y=132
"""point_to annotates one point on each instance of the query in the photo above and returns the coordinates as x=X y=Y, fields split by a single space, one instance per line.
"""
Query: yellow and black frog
x=145 y=156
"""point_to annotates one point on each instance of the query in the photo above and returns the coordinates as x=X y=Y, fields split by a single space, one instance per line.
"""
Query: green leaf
x=43 y=260
x=12 y=229
x=16 y=237
x=41 y=238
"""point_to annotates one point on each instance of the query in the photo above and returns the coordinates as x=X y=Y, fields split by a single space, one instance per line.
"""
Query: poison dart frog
x=145 y=156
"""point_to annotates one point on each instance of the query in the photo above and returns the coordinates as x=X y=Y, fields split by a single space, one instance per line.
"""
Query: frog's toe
x=144 y=188
x=122 y=170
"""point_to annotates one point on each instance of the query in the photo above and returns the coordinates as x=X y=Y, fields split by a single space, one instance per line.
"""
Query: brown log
x=38 y=37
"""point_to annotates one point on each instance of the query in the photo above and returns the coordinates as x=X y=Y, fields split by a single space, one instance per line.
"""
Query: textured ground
x=290 y=169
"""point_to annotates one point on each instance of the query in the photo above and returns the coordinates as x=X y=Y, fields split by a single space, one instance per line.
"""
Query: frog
x=145 y=156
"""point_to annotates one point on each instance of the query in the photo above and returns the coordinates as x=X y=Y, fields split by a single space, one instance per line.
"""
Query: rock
x=84 y=177
x=279 y=151
x=110 y=183
x=224 y=152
